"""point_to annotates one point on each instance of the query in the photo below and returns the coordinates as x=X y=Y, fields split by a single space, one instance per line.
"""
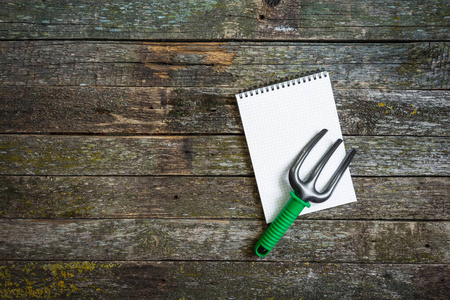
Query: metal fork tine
x=304 y=192
x=294 y=179
x=339 y=172
x=318 y=168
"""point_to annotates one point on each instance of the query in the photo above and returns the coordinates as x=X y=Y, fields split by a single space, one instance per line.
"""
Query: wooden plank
x=149 y=110
x=201 y=155
x=239 y=65
x=203 y=19
x=206 y=280
x=400 y=198
x=177 y=239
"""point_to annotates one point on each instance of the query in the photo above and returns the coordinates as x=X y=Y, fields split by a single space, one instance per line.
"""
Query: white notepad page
x=278 y=121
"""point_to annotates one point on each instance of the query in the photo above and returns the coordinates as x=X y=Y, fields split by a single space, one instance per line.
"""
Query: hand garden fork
x=304 y=192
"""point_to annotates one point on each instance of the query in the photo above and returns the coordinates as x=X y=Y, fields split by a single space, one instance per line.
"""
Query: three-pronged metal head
x=306 y=189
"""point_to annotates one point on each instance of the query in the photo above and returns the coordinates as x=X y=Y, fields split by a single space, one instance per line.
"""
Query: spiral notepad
x=278 y=121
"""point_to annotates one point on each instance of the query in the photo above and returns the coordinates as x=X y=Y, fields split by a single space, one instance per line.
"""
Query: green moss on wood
x=252 y=279
x=53 y=280
x=199 y=155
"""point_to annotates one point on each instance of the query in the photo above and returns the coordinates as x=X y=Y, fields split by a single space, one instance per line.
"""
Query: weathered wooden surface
x=217 y=19
x=394 y=66
x=222 y=280
x=201 y=155
x=383 y=198
x=148 y=110
x=175 y=239
x=124 y=171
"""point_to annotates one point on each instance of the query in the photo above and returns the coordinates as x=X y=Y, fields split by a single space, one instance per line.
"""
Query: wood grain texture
x=201 y=155
x=152 y=110
x=216 y=19
x=177 y=239
x=240 y=65
x=400 y=198
x=124 y=171
x=199 y=279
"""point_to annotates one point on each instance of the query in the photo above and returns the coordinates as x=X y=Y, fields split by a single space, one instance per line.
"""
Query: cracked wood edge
x=205 y=20
x=201 y=155
x=408 y=66
x=400 y=198
x=156 y=110
x=191 y=239
x=199 y=279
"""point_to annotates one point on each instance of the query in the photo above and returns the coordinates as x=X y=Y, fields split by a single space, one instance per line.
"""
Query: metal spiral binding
x=287 y=82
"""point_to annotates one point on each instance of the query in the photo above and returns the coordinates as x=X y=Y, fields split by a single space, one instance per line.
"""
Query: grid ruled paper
x=278 y=121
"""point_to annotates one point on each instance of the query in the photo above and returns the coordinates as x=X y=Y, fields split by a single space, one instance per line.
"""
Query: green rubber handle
x=281 y=224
